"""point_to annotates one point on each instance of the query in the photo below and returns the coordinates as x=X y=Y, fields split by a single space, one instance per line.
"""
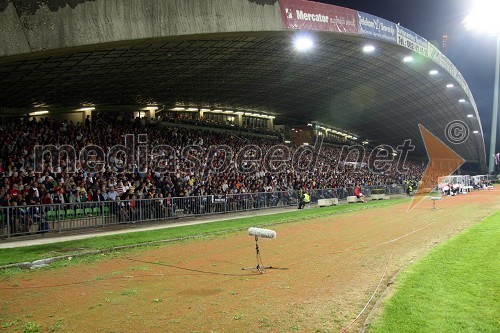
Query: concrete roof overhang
x=378 y=97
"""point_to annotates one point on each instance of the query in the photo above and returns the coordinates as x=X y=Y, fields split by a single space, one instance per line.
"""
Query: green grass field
x=31 y=253
x=456 y=288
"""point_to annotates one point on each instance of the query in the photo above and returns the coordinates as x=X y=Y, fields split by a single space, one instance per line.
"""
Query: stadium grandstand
x=183 y=108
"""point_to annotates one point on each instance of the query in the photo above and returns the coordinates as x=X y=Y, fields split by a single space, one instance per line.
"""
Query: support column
x=150 y=114
x=270 y=124
x=239 y=119
x=494 y=117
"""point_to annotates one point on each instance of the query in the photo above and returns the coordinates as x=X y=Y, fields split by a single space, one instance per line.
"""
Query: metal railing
x=25 y=220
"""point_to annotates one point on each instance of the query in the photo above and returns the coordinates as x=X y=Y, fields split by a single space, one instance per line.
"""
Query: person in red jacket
x=359 y=194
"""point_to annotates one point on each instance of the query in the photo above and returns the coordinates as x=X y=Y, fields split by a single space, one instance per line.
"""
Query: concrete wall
x=75 y=117
x=12 y=37
x=29 y=26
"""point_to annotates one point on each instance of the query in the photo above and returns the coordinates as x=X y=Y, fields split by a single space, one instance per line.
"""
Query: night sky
x=472 y=53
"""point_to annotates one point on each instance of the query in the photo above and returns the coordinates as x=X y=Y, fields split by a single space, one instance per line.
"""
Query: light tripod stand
x=260 y=266
x=434 y=199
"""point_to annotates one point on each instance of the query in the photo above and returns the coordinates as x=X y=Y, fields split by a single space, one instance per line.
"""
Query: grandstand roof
x=377 y=97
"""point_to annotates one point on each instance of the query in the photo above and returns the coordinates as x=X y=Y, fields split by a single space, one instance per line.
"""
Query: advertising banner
x=411 y=40
x=308 y=15
x=439 y=58
x=376 y=27
x=433 y=52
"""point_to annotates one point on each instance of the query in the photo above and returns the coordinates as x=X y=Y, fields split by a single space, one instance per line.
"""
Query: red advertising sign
x=308 y=15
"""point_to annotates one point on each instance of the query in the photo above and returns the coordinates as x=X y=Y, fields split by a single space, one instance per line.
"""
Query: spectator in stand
x=98 y=196
x=58 y=196
x=112 y=194
x=5 y=200
x=34 y=194
x=14 y=191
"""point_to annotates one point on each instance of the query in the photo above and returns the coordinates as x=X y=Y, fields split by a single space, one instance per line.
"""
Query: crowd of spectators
x=22 y=182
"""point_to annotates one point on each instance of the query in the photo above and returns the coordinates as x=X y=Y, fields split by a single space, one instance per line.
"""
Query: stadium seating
x=70 y=214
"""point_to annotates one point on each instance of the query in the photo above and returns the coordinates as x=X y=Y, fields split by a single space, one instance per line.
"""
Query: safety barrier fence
x=24 y=220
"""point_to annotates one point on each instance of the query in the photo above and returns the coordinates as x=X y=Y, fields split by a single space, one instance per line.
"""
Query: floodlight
x=86 y=109
x=38 y=113
x=408 y=59
x=368 y=48
x=484 y=17
x=303 y=44
x=450 y=85
x=433 y=72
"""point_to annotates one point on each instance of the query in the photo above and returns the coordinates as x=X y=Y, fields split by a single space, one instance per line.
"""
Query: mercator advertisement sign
x=307 y=15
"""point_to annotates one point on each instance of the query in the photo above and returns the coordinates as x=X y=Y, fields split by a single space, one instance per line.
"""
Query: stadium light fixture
x=39 y=113
x=433 y=72
x=484 y=18
x=461 y=100
x=191 y=109
x=470 y=116
x=178 y=109
x=86 y=109
x=475 y=132
x=408 y=59
x=303 y=43
x=450 y=85
x=368 y=48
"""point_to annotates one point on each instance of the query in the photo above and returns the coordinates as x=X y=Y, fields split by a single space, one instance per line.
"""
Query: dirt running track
x=333 y=266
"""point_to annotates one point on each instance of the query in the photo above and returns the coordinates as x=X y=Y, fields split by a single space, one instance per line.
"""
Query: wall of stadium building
x=33 y=26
